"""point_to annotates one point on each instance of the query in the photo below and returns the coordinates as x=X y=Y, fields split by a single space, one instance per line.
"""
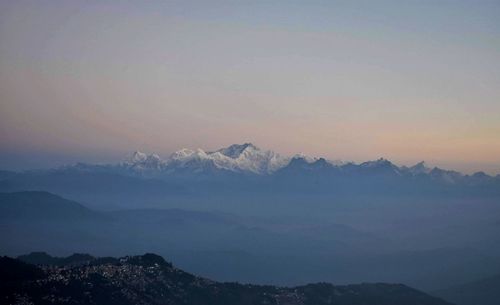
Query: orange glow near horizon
x=100 y=80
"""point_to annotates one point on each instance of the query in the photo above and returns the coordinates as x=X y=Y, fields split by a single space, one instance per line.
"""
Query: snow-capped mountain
x=140 y=161
x=249 y=159
x=380 y=166
x=245 y=171
x=235 y=158
x=420 y=168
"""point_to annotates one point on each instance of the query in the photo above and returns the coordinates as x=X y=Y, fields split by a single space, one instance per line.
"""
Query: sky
x=352 y=80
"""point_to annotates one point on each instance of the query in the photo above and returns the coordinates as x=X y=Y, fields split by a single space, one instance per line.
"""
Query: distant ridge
x=41 y=206
x=44 y=259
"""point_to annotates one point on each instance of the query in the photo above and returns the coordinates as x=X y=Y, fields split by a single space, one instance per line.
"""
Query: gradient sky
x=352 y=80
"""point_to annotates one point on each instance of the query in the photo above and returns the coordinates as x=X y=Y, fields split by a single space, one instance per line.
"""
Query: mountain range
x=230 y=177
x=239 y=158
x=249 y=159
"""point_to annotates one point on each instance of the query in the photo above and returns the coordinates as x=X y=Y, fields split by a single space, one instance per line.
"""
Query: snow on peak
x=185 y=156
x=142 y=161
x=305 y=157
x=135 y=157
x=420 y=168
x=247 y=158
x=251 y=158
x=244 y=157
x=381 y=162
x=237 y=157
x=234 y=151
x=181 y=154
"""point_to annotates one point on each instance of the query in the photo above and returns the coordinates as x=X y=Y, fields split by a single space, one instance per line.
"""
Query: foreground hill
x=148 y=279
x=482 y=292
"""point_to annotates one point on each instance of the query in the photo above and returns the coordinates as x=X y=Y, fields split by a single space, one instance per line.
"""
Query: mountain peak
x=140 y=161
x=235 y=150
x=147 y=260
x=136 y=156
x=140 y=157
x=305 y=157
x=378 y=163
x=420 y=168
x=480 y=174
x=250 y=159
x=181 y=153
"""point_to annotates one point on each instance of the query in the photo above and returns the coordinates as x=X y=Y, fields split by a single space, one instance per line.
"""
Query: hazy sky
x=351 y=80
